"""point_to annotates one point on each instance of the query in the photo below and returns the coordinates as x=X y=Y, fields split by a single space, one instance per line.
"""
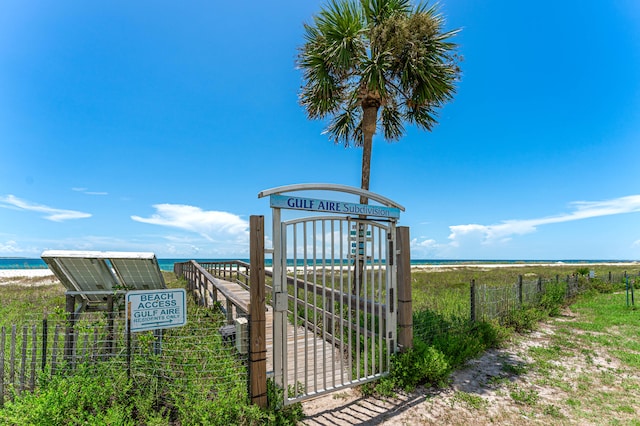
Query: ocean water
x=167 y=264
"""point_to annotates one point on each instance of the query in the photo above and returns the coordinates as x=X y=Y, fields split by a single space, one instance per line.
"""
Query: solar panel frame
x=95 y=274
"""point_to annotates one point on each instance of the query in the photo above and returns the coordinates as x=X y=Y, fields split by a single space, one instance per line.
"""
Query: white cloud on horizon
x=502 y=232
x=473 y=240
x=51 y=213
x=215 y=226
x=10 y=247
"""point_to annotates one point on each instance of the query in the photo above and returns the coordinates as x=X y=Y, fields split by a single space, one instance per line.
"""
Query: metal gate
x=334 y=300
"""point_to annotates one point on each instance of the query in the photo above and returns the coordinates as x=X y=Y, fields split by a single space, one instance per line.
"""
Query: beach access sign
x=156 y=309
x=329 y=206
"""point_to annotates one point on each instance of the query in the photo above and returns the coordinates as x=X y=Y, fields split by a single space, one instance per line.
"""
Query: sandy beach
x=25 y=273
x=27 y=277
x=6 y=274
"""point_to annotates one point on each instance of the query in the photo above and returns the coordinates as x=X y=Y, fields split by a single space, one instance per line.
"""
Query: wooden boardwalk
x=314 y=363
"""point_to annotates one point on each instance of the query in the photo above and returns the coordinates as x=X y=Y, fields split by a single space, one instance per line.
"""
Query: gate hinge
x=280 y=302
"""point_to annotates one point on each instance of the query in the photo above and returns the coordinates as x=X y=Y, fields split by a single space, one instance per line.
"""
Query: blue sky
x=152 y=126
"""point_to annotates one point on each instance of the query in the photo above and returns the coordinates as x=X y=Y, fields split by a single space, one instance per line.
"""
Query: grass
x=600 y=346
x=196 y=379
x=471 y=400
x=445 y=339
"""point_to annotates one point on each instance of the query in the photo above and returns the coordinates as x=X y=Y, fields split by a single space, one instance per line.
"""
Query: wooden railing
x=235 y=271
x=205 y=289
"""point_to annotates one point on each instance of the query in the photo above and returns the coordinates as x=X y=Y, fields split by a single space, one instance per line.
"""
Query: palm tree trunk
x=369 y=120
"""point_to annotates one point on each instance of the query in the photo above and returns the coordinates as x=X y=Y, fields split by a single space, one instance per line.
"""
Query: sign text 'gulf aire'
x=315 y=205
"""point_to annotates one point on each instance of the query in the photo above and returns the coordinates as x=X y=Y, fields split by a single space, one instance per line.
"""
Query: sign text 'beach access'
x=156 y=309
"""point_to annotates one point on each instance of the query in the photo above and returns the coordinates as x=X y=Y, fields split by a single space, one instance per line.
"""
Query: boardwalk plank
x=313 y=377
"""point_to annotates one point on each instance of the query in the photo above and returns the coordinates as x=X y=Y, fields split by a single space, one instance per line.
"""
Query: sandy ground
x=482 y=393
x=431 y=406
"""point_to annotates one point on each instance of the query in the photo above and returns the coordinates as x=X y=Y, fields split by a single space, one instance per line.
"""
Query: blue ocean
x=167 y=264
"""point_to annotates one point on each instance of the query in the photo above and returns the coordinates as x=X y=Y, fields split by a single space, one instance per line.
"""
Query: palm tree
x=370 y=64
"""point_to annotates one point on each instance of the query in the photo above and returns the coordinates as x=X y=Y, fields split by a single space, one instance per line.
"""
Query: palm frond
x=341 y=26
x=378 y=11
x=346 y=127
x=392 y=123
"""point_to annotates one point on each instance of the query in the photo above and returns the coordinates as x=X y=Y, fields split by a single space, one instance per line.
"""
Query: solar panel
x=94 y=274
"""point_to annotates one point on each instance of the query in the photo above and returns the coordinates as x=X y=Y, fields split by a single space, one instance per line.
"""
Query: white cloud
x=86 y=191
x=215 y=226
x=425 y=243
x=51 y=213
x=10 y=247
x=502 y=232
x=423 y=247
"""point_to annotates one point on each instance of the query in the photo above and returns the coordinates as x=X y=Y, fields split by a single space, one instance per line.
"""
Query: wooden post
x=12 y=364
x=23 y=365
x=2 y=346
x=473 y=300
x=111 y=331
x=54 y=350
x=69 y=341
x=45 y=339
x=405 y=313
x=34 y=350
x=257 y=317
x=520 y=289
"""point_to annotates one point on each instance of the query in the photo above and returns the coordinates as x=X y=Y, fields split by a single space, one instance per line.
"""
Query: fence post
x=520 y=289
x=45 y=339
x=539 y=285
x=609 y=277
x=69 y=340
x=3 y=336
x=257 y=317
x=405 y=314
x=111 y=331
x=473 y=300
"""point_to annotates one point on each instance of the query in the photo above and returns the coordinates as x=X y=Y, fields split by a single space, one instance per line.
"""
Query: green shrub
x=553 y=298
x=582 y=271
x=422 y=364
x=462 y=345
x=522 y=320
x=81 y=398
x=601 y=286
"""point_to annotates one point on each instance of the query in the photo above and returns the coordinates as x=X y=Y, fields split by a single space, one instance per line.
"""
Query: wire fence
x=456 y=310
x=194 y=356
